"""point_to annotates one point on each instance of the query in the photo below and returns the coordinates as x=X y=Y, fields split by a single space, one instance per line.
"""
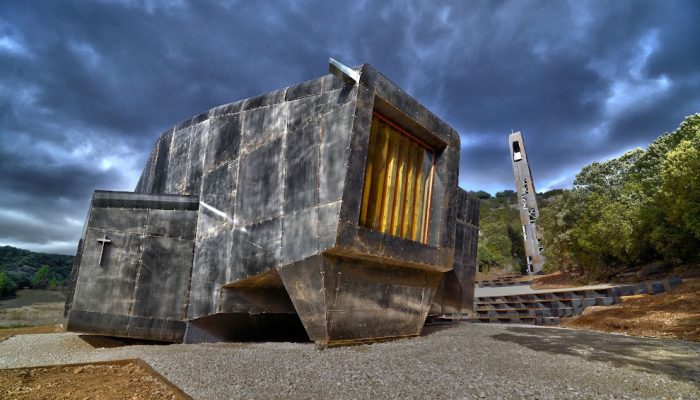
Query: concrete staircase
x=546 y=308
x=508 y=280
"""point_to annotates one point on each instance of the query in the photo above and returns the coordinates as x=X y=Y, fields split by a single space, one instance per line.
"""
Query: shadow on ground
x=676 y=359
x=108 y=342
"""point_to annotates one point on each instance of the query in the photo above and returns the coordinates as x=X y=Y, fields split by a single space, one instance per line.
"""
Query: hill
x=23 y=268
x=500 y=231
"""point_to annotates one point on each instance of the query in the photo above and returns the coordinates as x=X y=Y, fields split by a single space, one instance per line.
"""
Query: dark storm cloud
x=86 y=87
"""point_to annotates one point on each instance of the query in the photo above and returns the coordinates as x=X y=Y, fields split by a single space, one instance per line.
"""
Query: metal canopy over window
x=398 y=182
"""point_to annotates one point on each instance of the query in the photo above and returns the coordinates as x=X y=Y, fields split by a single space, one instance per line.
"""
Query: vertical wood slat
x=428 y=176
x=396 y=188
x=399 y=197
x=378 y=177
x=390 y=182
x=369 y=171
x=407 y=218
x=417 y=225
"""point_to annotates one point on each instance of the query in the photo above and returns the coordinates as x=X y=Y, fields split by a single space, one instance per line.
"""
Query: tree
x=7 y=285
x=506 y=193
x=41 y=277
x=639 y=207
x=481 y=194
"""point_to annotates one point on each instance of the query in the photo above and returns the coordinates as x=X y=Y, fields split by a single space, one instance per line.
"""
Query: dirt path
x=122 y=380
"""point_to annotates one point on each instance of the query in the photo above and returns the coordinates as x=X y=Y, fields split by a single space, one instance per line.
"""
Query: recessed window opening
x=398 y=182
x=517 y=155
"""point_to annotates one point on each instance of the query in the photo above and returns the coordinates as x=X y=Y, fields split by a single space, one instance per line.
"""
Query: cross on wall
x=103 y=241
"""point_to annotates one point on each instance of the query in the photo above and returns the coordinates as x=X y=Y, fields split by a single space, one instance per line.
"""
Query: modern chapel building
x=328 y=210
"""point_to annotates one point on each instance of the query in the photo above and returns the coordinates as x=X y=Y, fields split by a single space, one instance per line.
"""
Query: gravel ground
x=457 y=362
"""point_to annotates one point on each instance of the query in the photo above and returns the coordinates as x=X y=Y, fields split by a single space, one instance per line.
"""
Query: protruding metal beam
x=343 y=72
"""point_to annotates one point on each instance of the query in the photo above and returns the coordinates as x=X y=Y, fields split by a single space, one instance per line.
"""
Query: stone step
x=522 y=321
x=590 y=301
x=578 y=295
x=546 y=308
x=548 y=312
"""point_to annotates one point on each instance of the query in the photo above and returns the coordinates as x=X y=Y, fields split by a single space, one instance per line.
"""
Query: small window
x=517 y=156
x=398 y=182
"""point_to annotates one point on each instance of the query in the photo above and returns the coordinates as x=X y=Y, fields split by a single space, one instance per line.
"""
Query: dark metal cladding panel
x=331 y=82
x=328 y=218
x=211 y=260
x=163 y=278
x=223 y=142
x=160 y=169
x=447 y=231
x=218 y=189
x=172 y=223
x=354 y=180
x=108 y=199
x=373 y=301
x=118 y=219
x=125 y=326
x=167 y=330
x=255 y=248
x=73 y=277
x=264 y=100
x=304 y=89
x=263 y=125
x=178 y=163
x=259 y=193
x=335 y=143
x=301 y=179
x=307 y=109
x=154 y=172
x=393 y=94
x=146 y=179
x=227 y=109
x=299 y=236
x=456 y=293
x=97 y=322
x=195 y=156
x=108 y=288
x=304 y=282
x=303 y=111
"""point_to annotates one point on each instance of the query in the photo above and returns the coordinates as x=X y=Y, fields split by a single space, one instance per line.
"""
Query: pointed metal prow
x=343 y=72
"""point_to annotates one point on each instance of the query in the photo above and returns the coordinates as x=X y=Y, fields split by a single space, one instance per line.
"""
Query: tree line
x=623 y=213
x=641 y=207
x=23 y=268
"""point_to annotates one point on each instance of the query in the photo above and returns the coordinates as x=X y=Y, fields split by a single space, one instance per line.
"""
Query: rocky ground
x=449 y=362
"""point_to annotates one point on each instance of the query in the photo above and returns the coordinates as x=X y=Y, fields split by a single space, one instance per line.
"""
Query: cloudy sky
x=86 y=87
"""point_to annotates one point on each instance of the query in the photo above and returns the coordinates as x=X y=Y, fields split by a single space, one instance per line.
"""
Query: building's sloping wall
x=270 y=173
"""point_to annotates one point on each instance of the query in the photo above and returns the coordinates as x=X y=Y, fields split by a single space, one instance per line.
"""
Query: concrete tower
x=527 y=203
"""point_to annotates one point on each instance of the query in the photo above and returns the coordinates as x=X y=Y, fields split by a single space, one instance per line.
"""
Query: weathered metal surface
x=136 y=284
x=455 y=294
x=276 y=239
